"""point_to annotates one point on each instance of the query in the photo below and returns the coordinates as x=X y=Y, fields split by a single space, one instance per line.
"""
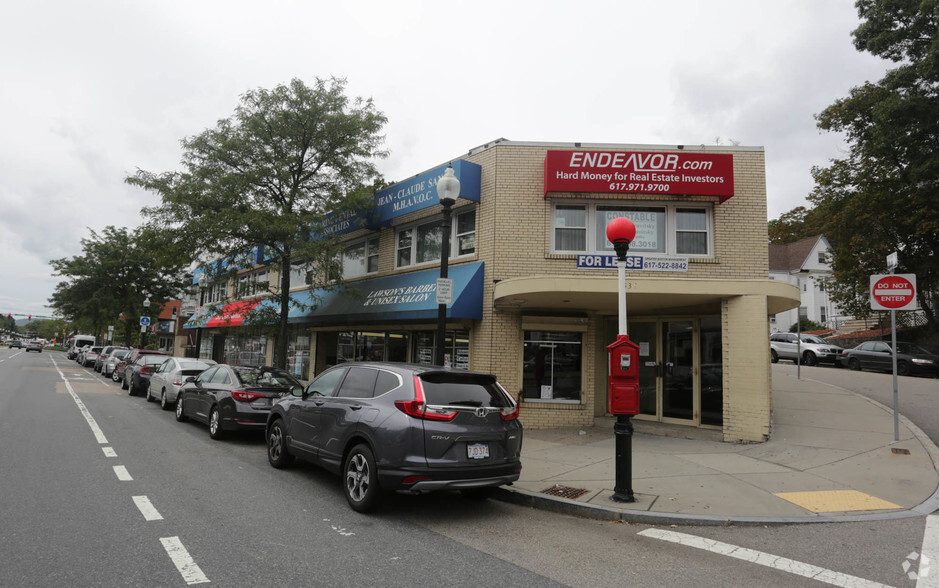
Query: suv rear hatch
x=468 y=420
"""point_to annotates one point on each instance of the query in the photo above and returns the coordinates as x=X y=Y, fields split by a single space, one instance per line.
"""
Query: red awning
x=233 y=314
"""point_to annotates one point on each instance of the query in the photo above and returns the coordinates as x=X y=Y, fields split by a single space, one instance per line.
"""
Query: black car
x=232 y=397
x=878 y=355
x=137 y=375
x=16 y=343
x=389 y=426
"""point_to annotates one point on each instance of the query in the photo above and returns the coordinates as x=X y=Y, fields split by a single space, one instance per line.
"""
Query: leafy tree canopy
x=882 y=197
x=116 y=273
x=268 y=176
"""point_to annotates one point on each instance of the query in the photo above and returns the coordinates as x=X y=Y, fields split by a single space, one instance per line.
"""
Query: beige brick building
x=535 y=285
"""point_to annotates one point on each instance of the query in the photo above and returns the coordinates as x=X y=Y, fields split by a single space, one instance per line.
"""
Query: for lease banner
x=640 y=172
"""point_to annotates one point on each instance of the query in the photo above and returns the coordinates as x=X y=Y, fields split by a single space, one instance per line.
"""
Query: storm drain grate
x=565 y=491
x=900 y=451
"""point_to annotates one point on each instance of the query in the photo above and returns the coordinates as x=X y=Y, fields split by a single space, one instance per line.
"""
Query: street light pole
x=143 y=329
x=448 y=190
x=621 y=232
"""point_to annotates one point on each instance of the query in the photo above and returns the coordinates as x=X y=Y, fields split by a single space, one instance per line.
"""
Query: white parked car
x=172 y=373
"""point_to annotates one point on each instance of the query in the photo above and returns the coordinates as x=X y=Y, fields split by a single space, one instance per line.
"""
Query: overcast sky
x=90 y=91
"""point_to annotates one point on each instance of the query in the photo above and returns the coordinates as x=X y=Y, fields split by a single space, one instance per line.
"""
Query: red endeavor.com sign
x=893 y=292
x=639 y=172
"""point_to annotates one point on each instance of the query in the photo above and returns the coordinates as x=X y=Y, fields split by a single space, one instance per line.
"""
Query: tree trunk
x=280 y=339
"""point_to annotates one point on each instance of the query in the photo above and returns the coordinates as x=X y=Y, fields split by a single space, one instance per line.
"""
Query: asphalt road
x=222 y=515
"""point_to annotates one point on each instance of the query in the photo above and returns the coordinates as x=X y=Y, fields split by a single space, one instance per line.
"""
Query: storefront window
x=456 y=350
x=298 y=354
x=712 y=372
x=372 y=346
x=205 y=346
x=245 y=349
x=552 y=366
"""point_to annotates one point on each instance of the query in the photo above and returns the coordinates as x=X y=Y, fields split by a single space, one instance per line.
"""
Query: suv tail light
x=418 y=409
x=509 y=413
x=144 y=370
x=243 y=396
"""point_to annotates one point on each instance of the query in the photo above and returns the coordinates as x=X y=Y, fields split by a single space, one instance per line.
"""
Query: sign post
x=893 y=292
x=802 y=314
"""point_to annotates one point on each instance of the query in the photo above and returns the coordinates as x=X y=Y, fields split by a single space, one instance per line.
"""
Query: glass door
x=644 y=335
x=678 y=370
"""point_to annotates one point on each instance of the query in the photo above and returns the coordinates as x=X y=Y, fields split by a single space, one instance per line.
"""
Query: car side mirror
x=297 y=391
x=189 y=379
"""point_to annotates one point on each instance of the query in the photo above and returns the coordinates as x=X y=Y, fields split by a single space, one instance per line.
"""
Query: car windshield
x=265 y=377
x=153 y=359
x=911 y=349
x=119 y=353
x=813 y=339
x=450 y=389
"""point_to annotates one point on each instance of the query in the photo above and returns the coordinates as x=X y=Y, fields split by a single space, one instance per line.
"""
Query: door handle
x=318 y=402
x=356 y=407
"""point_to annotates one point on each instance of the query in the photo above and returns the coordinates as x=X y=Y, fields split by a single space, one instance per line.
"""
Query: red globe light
x=621 y=229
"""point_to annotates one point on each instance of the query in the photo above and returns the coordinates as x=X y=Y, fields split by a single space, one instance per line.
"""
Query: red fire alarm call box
x=624 y=376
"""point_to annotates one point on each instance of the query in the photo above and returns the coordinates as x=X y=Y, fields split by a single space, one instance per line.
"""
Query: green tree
x=269 y=176
x=117 y=272
x=795 y=225
x=882 y=197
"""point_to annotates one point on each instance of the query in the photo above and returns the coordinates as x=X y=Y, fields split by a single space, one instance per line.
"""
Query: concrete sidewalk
x=831 y=457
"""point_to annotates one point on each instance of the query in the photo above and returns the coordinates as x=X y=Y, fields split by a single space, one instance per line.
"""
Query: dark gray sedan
x=412 y=428
x=878 y=355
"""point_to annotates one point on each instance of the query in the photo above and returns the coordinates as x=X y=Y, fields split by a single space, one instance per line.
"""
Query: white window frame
x=215 y=292
x=671 y=224
x=370 y=249
x=250 y=283
x=454 y=240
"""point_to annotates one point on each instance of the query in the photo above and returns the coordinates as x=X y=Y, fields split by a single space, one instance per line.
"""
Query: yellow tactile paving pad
x=836 y=501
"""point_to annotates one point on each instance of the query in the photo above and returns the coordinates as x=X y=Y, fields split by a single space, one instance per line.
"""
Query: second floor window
x=215 y=293
x=419 y=244
x=251 y=283
x=664 y=229
x=360 y=258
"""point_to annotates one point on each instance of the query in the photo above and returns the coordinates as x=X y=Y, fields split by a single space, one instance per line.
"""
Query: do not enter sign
x=893 y=292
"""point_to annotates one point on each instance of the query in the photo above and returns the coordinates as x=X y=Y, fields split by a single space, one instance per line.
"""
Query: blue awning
x=394 y=298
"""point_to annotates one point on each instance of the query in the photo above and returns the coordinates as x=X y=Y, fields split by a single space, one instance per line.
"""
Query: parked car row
x=912 y=359
x=380 y=426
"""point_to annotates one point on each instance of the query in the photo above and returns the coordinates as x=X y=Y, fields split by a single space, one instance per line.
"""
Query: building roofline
x=580 y=145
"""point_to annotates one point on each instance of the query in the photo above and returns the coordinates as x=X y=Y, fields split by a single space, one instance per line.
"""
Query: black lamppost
x=621 y=232
x=143 y=328
x=448 y=190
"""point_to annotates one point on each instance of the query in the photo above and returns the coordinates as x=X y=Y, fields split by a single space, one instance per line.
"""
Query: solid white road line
x=146 y=508
x=99 y=435
x=183 y=562
x=929 y=554
x=122 y=474
x=764 y=559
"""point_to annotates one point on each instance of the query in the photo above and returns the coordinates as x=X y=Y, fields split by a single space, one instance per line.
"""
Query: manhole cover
x=565 y=491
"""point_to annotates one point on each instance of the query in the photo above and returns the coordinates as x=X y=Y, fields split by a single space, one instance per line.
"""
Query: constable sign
x=144 y=321
x=893 y=292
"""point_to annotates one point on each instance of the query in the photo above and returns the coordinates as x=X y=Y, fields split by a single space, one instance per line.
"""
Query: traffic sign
x=144 y=321
x=893 y=292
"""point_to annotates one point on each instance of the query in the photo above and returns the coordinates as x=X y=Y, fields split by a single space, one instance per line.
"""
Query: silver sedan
x=172 y=373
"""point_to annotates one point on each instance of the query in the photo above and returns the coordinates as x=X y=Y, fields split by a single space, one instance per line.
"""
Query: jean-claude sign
x=409 y=196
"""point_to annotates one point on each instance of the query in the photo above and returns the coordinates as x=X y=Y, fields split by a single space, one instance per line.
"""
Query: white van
x=79 y=341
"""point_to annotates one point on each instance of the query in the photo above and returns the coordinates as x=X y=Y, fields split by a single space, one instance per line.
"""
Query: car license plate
x=477 y=451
